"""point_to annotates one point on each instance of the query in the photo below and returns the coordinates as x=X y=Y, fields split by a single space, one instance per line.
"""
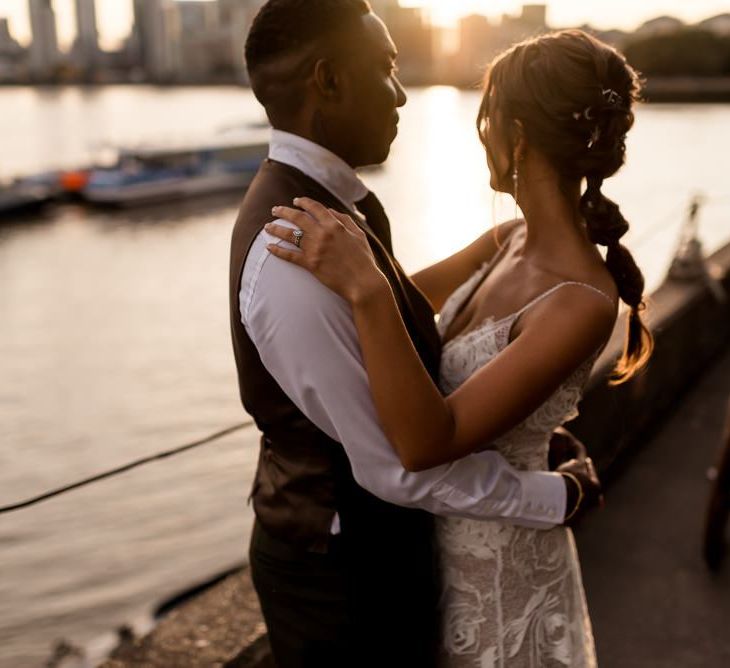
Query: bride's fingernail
x=296 y=200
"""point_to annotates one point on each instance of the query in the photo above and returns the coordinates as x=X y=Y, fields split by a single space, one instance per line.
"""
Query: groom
x=341 y=554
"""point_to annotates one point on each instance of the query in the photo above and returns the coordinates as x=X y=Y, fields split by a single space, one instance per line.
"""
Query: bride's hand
x=331 y=246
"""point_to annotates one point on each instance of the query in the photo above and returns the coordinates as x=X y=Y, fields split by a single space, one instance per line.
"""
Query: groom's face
x=372 y=95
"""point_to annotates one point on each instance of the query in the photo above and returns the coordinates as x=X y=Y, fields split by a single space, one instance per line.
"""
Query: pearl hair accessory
x=612 y=99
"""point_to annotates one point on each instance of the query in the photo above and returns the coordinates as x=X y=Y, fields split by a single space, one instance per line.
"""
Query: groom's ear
x=327 y=79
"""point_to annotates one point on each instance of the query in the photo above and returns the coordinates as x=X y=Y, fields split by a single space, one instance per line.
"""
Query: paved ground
x=209 y=631
x=652 y=601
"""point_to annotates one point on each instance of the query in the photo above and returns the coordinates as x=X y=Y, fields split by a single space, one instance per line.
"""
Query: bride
x=520 y=334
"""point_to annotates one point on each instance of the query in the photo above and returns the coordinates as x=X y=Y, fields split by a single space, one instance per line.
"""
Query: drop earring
x=515 y=185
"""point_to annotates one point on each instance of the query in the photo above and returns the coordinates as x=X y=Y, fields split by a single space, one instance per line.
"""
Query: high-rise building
x=12 y=55
x=200 y=35
x=9 y=47
x=530 y=23
x=86 y=47
x=477 y=39
x=198 y=16
x=236 y=17
x=414 y=37
x=535 y=15
x=212 y=38
x=43 y=57
x=156 y=38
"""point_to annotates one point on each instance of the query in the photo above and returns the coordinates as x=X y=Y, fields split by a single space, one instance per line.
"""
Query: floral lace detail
x=512 y=596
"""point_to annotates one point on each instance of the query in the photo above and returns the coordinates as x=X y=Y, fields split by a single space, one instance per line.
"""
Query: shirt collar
x=320 y=164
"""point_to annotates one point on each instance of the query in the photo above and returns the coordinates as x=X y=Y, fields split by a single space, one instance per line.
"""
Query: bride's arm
x=438 y=281
x=425 y=428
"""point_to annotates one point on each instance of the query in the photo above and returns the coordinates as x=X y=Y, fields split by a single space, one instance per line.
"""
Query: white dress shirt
x=286 y=310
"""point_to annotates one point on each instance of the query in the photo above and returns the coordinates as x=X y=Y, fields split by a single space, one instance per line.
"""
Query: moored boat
x=150 y=175
x=28 y=193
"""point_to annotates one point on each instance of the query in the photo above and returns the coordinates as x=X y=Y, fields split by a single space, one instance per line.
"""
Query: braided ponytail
x=573 y=95
x=606 y=225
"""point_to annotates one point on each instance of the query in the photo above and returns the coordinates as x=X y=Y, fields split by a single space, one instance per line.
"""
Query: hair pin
x=612 y=97
x=595 y=136
x=586 y=114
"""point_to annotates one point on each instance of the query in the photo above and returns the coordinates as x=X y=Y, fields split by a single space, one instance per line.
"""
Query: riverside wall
x=223 y=625
x=691 y=327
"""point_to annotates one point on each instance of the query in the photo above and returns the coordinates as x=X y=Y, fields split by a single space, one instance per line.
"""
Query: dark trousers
x=304 y=601
x=341 y=609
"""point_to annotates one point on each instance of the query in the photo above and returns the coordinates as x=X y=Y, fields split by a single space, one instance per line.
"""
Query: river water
x=114 y=340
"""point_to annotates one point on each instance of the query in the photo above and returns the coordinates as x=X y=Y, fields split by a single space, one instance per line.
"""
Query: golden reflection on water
x=443 y=183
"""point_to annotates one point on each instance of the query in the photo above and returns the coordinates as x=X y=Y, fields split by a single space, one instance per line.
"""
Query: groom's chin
x=376 y=152
x=380 y=158
x=375 y=160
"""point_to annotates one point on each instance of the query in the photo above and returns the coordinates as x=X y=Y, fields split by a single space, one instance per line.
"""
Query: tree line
x=691 y=52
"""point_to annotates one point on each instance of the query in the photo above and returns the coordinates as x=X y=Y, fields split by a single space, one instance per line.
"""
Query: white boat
x=149 y=175
x=28 y=193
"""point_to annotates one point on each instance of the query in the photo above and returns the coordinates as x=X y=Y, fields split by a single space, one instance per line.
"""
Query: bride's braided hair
x=573 y=95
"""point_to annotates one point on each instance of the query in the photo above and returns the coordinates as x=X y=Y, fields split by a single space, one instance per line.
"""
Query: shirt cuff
x=543 y=498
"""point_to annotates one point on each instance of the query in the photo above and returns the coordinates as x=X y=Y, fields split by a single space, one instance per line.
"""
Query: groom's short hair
x=285 y=29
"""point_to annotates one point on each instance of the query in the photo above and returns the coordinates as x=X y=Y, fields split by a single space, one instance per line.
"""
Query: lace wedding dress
x=512 y=596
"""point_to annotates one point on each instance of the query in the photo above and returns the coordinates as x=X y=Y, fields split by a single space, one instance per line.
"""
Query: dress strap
x=555 y=288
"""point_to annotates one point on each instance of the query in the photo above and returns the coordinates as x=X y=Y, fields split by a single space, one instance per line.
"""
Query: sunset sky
x=115 y=16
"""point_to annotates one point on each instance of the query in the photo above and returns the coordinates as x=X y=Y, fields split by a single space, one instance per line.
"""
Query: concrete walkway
x=652 y=601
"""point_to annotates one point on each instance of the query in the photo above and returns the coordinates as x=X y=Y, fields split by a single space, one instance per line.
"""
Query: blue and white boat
x=149 y=175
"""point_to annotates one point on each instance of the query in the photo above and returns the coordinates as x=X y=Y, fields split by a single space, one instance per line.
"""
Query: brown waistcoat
x=303 y=476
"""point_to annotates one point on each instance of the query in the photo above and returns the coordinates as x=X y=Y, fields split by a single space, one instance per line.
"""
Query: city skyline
x=115 y=16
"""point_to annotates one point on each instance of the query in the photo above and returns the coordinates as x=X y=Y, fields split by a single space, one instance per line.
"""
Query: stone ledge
x=691 y=328
x=221 y=627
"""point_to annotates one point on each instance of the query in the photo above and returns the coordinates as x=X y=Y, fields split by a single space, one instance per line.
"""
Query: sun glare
x=624 y=14
x=446 y=13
